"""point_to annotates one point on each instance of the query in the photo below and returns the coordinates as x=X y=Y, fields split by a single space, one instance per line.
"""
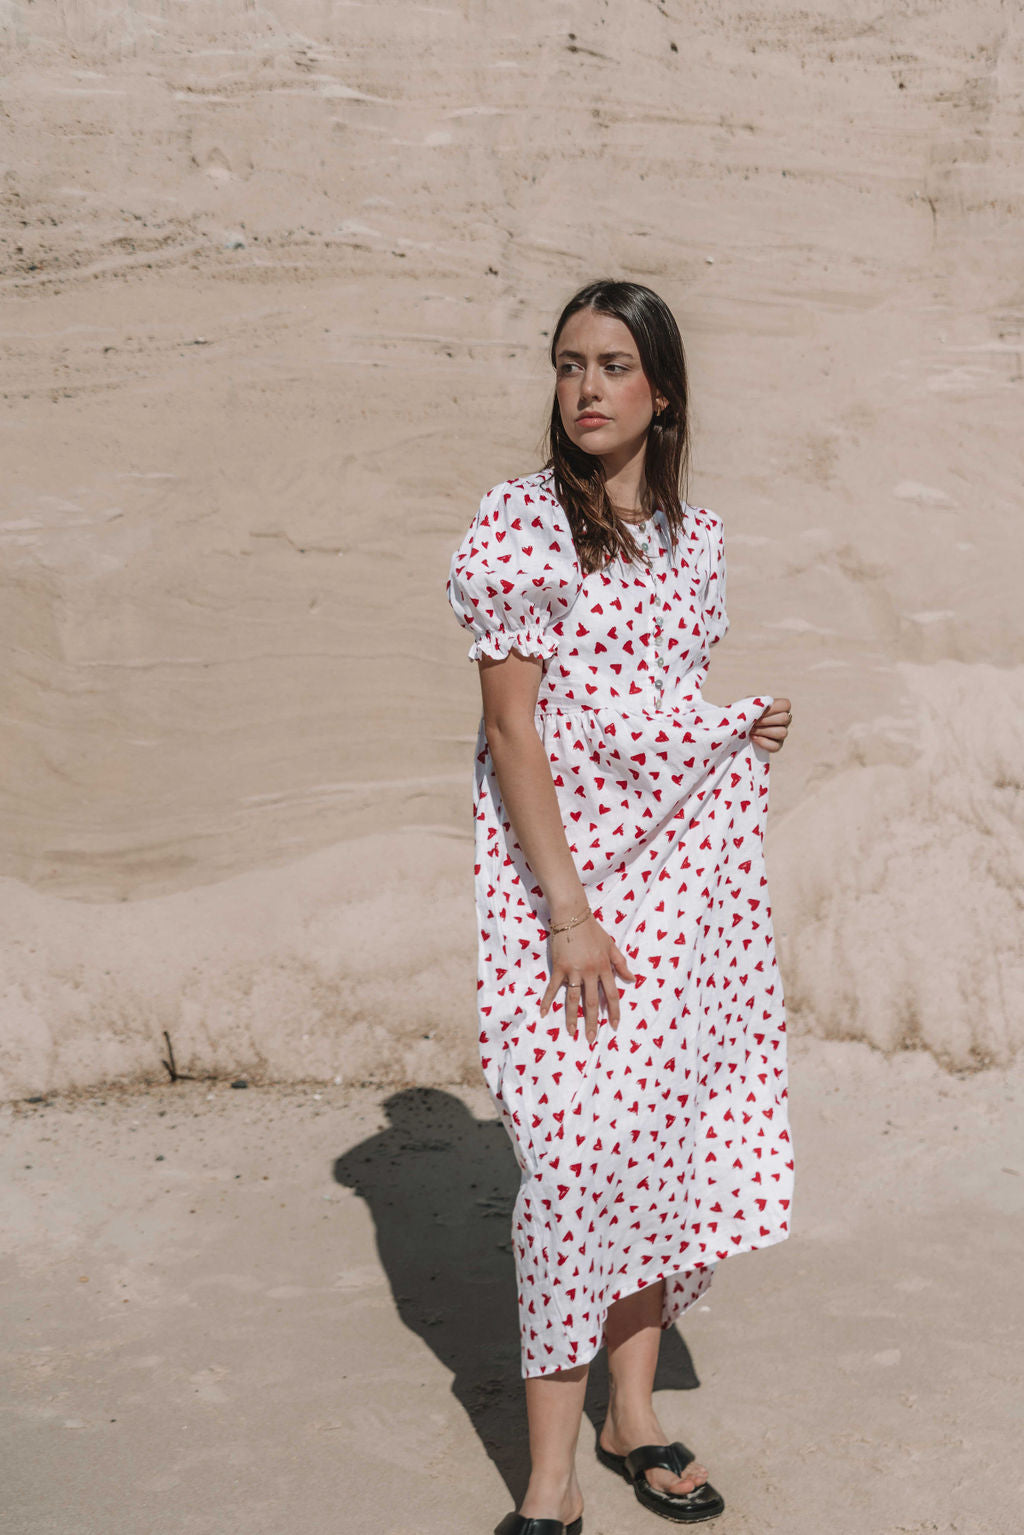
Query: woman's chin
x=596 y=449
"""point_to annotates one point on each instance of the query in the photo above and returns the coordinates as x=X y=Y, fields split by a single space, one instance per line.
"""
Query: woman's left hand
x=772 y=727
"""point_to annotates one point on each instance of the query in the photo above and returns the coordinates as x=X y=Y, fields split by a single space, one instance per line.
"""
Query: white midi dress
x=664 y=1147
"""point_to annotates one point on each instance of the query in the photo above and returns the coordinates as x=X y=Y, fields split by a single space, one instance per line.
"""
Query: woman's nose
x=590 y=383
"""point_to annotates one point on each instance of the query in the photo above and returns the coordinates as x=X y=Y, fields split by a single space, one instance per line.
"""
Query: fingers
x=582 y=998
x=620 y=963
x=585 y=998
x=550 y=993
x=581 y=1002
x=573 y=1003
x=590 y=1008
x=778 y=706
x=770 y=731
x=584 y=986
x=575 y=1000
x=611 y=999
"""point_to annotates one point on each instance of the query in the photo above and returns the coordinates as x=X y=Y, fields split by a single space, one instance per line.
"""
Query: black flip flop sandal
x=686 y=1507
x=515 y=1524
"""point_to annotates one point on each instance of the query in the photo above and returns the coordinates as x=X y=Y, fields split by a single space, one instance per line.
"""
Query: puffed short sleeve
x=716 y=618
x=515 y=574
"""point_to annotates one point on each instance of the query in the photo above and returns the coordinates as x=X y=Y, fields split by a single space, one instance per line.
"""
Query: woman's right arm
x=584 y=954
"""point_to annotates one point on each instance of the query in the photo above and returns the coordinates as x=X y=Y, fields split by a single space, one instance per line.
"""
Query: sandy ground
x=291 y=1309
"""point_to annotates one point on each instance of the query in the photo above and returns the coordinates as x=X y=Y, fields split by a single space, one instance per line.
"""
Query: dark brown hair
x=579 y=477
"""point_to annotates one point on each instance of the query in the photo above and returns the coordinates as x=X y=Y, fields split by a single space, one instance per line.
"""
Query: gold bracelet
x=563 y=927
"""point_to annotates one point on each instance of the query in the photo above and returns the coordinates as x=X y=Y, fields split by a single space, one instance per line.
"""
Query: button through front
x=654 y=578
x=627 y=632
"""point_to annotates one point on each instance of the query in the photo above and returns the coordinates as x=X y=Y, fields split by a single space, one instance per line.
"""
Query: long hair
x=579 y=477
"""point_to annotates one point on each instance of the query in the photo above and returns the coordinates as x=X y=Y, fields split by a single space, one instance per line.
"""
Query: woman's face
x=605 y=398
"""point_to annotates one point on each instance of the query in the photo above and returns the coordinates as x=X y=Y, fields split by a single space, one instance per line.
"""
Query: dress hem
x=671 y=1314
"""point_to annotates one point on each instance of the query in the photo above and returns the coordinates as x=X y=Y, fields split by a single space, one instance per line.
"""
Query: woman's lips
x=585 y=421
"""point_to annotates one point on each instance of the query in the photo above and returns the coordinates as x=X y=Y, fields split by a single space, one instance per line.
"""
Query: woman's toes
x=664 y=1481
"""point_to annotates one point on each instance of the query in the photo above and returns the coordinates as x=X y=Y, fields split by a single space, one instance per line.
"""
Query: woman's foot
x=549 y=1499
x=623 y=1433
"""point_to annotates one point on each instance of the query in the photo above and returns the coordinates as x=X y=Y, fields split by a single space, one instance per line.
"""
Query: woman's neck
x=624 y=479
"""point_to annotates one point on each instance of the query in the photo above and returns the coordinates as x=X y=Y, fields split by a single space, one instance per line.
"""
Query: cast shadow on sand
x=440 y=1185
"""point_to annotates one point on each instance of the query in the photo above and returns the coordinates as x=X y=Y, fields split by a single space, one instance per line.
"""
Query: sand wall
x=273 y=293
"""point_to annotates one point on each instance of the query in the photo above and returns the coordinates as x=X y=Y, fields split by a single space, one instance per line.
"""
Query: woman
x=620 y=822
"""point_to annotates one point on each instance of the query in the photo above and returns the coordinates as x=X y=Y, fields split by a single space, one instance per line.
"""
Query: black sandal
x=684 y=1507
x=515 y=1524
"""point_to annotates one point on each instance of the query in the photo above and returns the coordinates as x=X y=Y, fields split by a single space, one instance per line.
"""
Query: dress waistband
x=692 y=702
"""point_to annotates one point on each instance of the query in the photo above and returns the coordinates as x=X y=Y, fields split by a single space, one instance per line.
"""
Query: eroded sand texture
x=275 y=282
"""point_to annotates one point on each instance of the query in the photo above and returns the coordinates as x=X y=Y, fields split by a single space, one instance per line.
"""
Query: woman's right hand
x=583 y=960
